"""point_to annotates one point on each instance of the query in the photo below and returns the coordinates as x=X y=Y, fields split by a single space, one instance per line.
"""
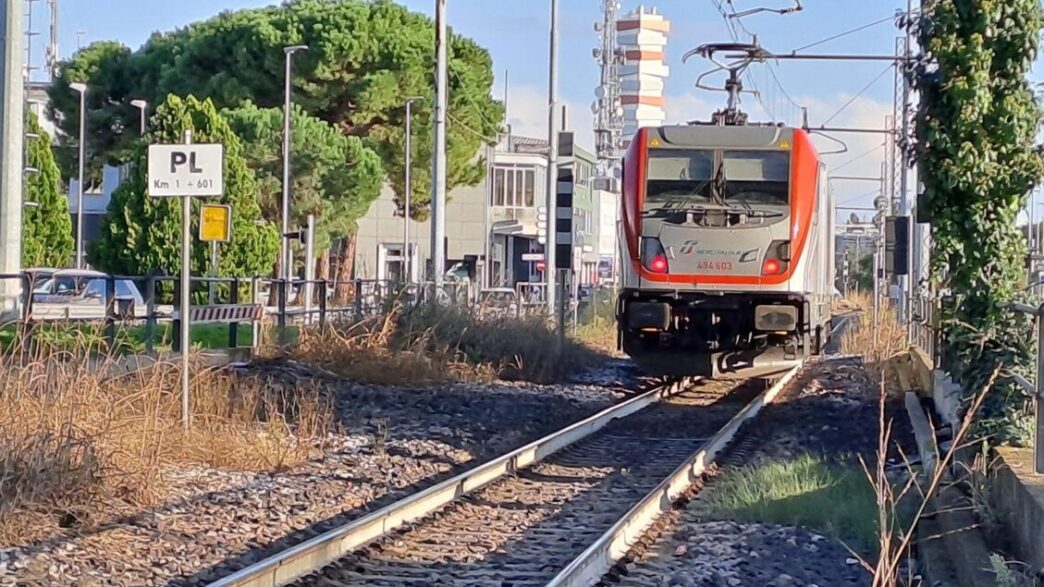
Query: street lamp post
x=287 y=111
x=408 y=188
x=82 y=89
x=143 y=106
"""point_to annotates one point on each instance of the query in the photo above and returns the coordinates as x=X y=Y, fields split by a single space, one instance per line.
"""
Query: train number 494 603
x=714 y=266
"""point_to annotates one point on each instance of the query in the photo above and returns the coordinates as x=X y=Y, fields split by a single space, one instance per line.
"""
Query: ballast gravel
x=832 y=410
x=396 y=441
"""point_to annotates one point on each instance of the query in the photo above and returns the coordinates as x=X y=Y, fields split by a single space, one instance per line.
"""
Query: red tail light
x=654 y=258
x=777 y=260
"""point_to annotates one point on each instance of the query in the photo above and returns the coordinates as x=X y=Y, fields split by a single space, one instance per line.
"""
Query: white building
x=500 y=220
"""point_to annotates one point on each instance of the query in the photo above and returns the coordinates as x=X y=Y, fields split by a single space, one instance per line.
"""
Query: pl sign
x=186 y=170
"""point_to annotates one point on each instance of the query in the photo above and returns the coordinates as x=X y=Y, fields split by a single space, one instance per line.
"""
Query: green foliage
x=112 y=123
x=140 y=234
x=47 y=239
x=365 y=59
x=864 y=276
x=335 y=177
x=808 y=491
x=976 y=131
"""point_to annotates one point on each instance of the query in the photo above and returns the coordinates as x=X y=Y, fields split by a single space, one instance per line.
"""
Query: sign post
x=215 y=226
x=185 y=171
x=310 y=266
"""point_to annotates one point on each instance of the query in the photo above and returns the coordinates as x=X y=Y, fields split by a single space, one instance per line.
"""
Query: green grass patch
x=129 y=338
x=830 y=498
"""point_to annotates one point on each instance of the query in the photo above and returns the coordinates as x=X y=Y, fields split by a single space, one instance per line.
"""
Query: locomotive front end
x=728 y=258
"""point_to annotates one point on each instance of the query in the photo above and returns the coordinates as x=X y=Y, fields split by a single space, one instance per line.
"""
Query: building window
x=514 y=187
x=582 y=173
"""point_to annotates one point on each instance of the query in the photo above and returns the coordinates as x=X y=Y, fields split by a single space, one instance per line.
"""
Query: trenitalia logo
x=689 y=248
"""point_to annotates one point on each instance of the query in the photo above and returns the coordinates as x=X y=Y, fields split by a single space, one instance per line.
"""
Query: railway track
x=559 y=511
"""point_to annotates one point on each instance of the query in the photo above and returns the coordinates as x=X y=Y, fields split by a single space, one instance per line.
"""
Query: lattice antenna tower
x=607 y=109
x=52 y=56
x=30 y=34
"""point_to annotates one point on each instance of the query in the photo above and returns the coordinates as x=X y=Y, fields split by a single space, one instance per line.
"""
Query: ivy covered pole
x=978 y=159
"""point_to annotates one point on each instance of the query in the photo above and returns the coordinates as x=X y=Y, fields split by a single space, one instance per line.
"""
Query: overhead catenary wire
x=731 y=21
x=858 y=157
x=730 y=25
x=865 y=89
x=846 y=33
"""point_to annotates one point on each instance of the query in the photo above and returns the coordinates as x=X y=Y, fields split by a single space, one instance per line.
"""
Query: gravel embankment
x=395 y=441
x=831 y=411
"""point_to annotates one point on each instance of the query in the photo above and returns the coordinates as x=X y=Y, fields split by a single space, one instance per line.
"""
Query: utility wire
x=857 y=96
x=479 y=134
x=858 y=157
x=471 y=99
x=846 y=33
x=731 y=23
x=731 y=26
x=859 y=197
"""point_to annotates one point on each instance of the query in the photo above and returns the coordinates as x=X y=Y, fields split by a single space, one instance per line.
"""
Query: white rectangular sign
x=532 y=257
x=186 y=170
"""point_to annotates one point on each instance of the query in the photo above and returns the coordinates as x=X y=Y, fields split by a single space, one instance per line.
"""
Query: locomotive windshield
x=757 y=177
x=679 y=175
x=683 y=178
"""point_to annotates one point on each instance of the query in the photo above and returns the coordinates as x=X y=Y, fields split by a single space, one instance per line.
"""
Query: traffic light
x=897 y=245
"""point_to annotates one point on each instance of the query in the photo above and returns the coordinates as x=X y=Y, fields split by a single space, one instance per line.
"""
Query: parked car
x=498 y=302
x=71 y=289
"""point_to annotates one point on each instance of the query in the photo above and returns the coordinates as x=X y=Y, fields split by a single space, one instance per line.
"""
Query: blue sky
x=516 y=33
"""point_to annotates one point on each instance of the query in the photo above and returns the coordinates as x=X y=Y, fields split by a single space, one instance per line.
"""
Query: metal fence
x=1035 y=388
x=286 y=303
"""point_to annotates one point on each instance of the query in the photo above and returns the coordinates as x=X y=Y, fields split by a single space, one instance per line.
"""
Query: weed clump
x=431 y=343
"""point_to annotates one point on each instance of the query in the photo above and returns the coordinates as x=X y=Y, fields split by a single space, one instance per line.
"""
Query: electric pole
x=438 y=185
x=905 y=284
x=12 y=100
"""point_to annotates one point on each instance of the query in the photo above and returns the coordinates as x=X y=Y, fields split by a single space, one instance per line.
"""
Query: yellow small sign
x=784 y=144
x=654 y=142
x=215 y=223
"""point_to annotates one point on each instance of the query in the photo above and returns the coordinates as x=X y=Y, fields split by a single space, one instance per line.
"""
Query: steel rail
x=600 y=557
x=309 y=556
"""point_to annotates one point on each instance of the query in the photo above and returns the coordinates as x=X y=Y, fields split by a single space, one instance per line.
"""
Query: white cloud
x=528 y=113
x=687 y=108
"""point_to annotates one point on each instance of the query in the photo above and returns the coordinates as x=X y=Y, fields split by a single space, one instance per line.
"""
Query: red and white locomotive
x=727 y=249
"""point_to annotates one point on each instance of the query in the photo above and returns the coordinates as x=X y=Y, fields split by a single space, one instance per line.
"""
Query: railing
x=1035 y=388
x=293 y=302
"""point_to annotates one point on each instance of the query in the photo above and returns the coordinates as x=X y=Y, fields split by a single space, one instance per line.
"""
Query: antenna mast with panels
x=608 y=112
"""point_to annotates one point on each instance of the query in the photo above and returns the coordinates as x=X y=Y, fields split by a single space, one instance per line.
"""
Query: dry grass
x=876 y=343
x=894 y=537
x=598 y=333
x=433 y=344
x=77 y=447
